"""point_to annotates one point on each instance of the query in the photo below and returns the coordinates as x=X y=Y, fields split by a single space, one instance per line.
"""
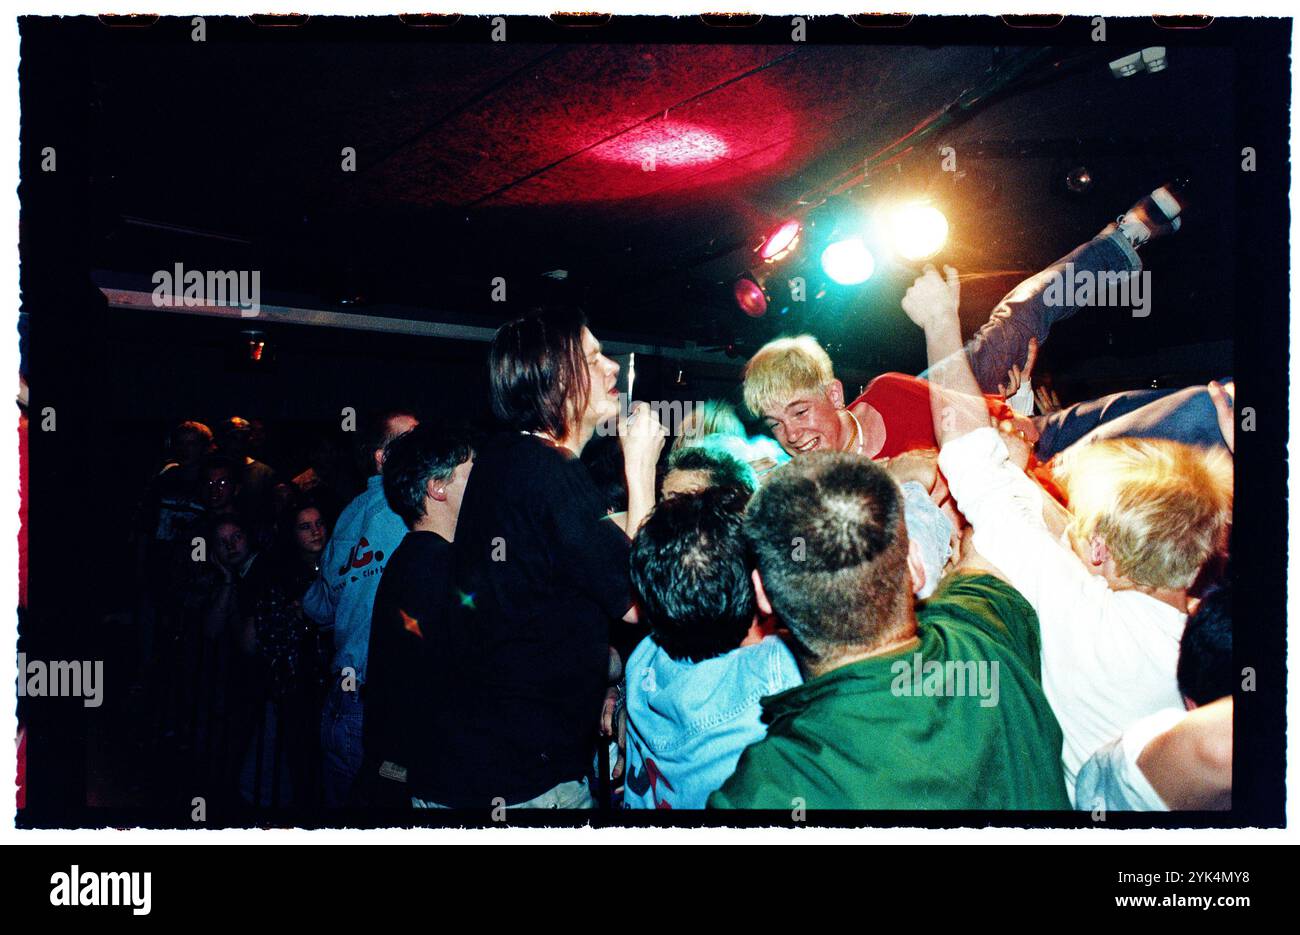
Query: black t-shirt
x=411 y=600
x=538 y=577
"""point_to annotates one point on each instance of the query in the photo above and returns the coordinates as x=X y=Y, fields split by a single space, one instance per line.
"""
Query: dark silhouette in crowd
x=425 y=472
x=237 y=439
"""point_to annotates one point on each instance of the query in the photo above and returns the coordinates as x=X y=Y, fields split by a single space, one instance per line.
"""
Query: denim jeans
x=573 y=794
x=340 y=741
x=1185 y=415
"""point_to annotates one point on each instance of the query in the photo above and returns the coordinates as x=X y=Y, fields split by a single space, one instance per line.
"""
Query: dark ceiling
x=513 y=159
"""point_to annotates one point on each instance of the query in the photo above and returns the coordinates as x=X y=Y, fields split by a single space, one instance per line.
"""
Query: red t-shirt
x=904 y=403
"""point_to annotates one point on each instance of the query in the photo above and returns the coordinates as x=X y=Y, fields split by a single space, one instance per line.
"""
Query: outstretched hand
x=933 y=299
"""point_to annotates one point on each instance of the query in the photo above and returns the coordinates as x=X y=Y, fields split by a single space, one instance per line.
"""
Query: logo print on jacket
x=649 y=779
x=360 y=560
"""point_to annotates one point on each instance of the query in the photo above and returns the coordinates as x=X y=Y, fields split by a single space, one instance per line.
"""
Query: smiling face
x=810 y=421
x=602 y=374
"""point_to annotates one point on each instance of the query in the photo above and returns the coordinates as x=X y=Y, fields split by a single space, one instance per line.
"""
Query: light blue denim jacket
x=687 y=722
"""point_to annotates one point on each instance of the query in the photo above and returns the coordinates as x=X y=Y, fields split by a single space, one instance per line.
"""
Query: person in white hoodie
x=694 y=684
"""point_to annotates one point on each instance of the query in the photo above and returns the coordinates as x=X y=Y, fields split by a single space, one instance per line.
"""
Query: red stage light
x=781 y=241
x=749 y=296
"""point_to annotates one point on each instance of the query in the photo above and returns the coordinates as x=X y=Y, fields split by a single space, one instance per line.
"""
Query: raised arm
x=956 y=403
x=643 y=439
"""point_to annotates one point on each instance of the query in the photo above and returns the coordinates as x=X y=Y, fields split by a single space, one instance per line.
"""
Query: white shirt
x=1110 y=658
x=1112 y=780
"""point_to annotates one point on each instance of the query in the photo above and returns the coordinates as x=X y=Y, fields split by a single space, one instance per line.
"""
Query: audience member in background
x=714 y=424
x=425 y=471
x=934 y=707
x=331 y=478
x=341 y=600
x=166 y=519
x=221 y=486
x=222 y=590
x=1181 y=757
x=235 y=440
x=286 y=667
x=540 y=573
x=708 y=417
x=694 y=685
x=700 y=467
x=233 y=556
x=175 y=500
x=1147 y=514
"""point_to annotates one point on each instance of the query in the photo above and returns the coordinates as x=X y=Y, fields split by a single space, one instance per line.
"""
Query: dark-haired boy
x=694 y=685
x=425 y=471
x=700 y=467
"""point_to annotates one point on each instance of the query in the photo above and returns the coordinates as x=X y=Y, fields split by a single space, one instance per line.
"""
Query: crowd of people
x=929 y=598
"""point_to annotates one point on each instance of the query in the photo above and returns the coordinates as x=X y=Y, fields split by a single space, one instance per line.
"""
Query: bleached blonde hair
x=784 y=368
x=1162 y=507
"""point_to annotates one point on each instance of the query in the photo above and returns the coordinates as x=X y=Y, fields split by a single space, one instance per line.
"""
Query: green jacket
x=956 y=720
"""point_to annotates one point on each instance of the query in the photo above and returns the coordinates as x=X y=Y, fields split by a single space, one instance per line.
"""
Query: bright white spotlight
x=918 y=231
x=848 y=262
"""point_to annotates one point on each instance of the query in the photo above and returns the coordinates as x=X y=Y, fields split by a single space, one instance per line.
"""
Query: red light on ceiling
x=781 y=241
x=664 y=144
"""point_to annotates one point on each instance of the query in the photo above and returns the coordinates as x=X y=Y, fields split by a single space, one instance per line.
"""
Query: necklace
x=857 y=435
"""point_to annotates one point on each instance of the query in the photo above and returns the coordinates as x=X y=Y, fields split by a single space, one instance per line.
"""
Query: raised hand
x=643 y=439
x=933 y=299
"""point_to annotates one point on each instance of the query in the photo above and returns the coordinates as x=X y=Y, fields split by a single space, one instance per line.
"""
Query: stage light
x=255 y=346
x=917 y=231
x=778 y=244
x=1078 y=179
x=749 y=296
x=848 y=261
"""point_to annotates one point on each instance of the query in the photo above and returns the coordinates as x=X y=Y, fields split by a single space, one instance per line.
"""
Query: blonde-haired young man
x=1112 y=601
x=791 y=384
